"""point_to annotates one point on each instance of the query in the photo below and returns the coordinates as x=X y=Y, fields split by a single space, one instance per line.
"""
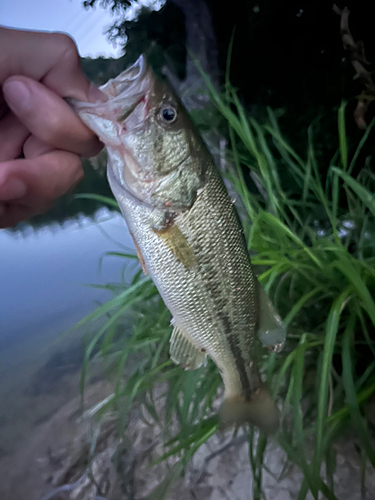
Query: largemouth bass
x=188 y=237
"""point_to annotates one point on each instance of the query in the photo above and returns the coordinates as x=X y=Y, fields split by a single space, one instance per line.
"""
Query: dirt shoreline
x=56 y=455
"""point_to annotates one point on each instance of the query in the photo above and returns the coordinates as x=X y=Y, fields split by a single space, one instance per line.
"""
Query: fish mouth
x=123 y=93
x=128 y=83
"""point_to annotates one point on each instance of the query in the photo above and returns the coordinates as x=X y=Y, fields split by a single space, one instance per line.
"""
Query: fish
x=188 y=237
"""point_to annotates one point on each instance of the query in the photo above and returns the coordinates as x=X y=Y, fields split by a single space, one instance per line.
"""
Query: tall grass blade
x=97 y=197
x=363 y=194
x=329 y=345
x=350 y=392
x=342 y=135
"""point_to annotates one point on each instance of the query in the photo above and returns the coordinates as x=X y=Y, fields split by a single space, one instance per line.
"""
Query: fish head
x=154 y=152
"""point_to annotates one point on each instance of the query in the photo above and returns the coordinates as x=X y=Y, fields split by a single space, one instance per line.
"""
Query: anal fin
x=183 y=352
x=271 y=330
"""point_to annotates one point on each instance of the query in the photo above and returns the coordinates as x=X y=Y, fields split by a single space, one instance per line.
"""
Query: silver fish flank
x=188 y=237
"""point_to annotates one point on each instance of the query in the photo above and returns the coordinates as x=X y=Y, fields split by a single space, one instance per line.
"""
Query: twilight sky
x=87 y=27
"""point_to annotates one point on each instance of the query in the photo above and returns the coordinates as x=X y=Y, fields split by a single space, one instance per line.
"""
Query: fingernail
x=12 y=189
x=96 y=95
x=16 y=94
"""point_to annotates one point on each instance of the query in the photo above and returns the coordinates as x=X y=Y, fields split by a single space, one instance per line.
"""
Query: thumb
x=48 y=117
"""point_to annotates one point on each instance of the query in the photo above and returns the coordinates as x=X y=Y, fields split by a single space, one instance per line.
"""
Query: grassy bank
x=310 y=227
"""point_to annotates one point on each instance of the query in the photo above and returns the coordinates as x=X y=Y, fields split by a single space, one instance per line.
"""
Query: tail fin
x=260 y=411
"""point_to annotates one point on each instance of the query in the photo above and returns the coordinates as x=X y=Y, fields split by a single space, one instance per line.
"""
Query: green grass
x=310 y=228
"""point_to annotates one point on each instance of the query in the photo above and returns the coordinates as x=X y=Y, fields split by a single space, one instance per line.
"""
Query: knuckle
x=42 y=206
x=73 y=173
x=77 y=173
x=46 y=201
x=67 y=48
x=51 y=132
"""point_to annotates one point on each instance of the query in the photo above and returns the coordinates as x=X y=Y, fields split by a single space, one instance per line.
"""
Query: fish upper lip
x=126 y=82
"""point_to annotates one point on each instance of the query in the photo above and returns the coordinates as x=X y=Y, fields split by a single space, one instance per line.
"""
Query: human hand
x=41 y=138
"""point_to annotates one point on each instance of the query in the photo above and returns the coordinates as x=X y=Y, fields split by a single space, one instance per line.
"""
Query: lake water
x=43 y=292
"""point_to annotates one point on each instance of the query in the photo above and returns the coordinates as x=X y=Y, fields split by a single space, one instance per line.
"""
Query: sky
x=87 y=27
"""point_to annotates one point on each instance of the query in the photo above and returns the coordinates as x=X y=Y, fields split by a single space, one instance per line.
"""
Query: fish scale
x=188 y=237
x=221 y=282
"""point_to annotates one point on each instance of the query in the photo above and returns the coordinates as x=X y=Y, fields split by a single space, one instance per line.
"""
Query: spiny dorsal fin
x=177 y=244
x=271 y=330
x=183 y=352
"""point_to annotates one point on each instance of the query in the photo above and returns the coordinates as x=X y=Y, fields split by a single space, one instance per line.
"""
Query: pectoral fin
x=183 y=352
x=177 y=244
x=271 y=330
x=140 y=256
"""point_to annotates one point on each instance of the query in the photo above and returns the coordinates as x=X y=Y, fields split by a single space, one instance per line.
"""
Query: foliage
x=100 y=70
x=159 y=34
x=288 y=56
x=310 y=229
x=283 y=57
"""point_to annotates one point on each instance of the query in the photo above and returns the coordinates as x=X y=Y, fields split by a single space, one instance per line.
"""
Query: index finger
x=50 y=58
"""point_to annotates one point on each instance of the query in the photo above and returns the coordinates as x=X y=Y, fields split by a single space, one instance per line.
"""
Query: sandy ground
x=55 y=458
x=34 y=469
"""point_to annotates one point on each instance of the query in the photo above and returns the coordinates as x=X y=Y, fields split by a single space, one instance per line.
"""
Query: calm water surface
x=42 y=293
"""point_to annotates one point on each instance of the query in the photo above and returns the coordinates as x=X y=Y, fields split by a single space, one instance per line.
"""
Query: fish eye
x=169 y=114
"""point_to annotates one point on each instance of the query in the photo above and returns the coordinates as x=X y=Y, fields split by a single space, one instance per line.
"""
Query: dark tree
x=286 y=54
